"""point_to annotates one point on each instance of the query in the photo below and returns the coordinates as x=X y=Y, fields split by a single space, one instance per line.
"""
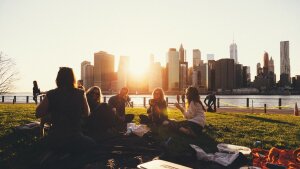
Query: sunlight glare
x=138 y=67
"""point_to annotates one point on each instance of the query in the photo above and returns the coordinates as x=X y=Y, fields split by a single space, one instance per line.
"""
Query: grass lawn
x=18 y=151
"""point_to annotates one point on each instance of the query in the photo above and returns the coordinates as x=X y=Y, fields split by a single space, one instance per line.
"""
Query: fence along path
x=255 y=104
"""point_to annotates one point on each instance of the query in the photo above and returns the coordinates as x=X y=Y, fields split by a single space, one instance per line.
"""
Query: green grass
x=18 y=150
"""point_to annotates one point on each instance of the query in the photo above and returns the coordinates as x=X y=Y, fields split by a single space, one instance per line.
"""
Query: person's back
x=65 y=107
x=119 y=104
x=100 y=121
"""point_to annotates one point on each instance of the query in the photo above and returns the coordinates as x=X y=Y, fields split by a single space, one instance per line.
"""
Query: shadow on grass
x=19 y=149
x=262 y=119
x=269 y=120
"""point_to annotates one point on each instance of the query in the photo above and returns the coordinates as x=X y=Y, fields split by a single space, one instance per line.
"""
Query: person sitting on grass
x=157 y=112
x=67 y=105
x=118 y=104
x=102 y=119
x=194 y=114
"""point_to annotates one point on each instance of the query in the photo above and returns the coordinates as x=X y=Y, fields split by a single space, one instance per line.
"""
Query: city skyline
x=41 y=37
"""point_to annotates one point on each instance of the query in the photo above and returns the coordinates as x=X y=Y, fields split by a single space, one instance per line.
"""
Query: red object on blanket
x=287 y=158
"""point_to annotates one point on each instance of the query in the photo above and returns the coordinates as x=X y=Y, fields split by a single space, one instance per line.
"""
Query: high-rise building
x=83 y=64
x=266 y=63
x=155 y=79
x=183 y=75
x=285 y=58
x=88 y=80
x=271 y=65
x=225 y=74
x=258 y=69
x=173 y=69
x=164 y=78
x=196 y=57
x=265 y=80
x=104 y=70
x=246 y=76
x=211 y=75
x=181 y=54
x=210 y=57
x=183 y=69
x=123 y=72
x=238 y=76
x=200 y=76
x=233 y=52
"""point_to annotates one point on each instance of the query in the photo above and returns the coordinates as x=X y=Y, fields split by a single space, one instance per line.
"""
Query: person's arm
x=179 y=107
x=202 y=106
x=86 y=108
x=205 y=100
x=162 y=109
x=42 y=108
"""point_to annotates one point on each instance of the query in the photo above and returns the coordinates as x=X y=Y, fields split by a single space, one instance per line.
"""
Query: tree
x=8 y=74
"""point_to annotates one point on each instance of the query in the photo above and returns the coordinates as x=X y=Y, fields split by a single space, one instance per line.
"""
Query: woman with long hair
x=102 y=119
x=194 y=113
x=157 y=112
x=67 y=105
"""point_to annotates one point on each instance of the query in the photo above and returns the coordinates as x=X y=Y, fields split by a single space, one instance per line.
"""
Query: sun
x=138 y=67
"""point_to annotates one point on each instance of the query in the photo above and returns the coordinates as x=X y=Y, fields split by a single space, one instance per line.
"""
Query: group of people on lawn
x=79 y=117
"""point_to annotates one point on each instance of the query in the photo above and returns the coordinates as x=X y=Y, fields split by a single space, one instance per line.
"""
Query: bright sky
x=41 y=36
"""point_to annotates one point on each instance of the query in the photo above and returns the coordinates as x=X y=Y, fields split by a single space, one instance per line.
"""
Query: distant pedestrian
x=210 y=101
x=35 y=91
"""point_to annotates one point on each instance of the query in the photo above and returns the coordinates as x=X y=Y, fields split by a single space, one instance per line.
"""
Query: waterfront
x=238 y=101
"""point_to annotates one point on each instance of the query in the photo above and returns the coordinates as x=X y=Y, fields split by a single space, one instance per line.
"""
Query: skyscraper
x=285 y=58
x=199 y=76
x=246 y=76
x=271 y=65
x=83 y=64
x=173 y=69
x=181 y=54
x=123 y=72
x=155 y=79
x=258 y=69
x=88 y=80
x=196 y=57
x=183 y=69
x=266 y=63
x=211 y=75
x=104 y=70
x=233 y=52
x=225 y=74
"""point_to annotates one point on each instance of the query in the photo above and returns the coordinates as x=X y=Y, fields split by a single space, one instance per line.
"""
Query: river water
x=272 y=101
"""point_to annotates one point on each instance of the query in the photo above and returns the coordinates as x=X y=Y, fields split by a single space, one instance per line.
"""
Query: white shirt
x=195 y=113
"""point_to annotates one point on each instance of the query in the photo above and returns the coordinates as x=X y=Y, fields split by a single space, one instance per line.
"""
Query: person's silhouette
x=35 y=91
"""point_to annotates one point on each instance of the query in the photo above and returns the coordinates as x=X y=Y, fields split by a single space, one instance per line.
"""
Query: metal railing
x=230 y=102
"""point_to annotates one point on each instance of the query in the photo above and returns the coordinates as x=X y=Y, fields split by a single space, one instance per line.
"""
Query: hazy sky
x=41 y=36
